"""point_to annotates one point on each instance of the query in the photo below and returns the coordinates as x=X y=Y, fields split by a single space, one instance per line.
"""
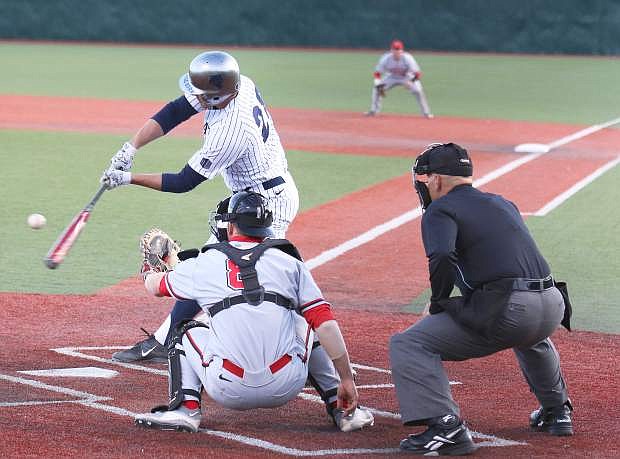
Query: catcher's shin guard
x=175 y=377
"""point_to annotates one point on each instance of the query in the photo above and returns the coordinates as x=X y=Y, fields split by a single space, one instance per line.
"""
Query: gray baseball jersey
x=405 y=67
x=251 y=336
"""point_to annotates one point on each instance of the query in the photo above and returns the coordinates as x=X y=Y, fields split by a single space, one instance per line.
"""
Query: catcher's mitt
x=159 y=251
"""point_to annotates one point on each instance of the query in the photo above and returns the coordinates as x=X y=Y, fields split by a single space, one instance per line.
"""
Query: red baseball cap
x=397 y=44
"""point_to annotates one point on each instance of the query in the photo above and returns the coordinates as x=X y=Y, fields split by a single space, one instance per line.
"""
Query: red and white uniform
x=241 y=143
x=393 y=72
x=251 y=356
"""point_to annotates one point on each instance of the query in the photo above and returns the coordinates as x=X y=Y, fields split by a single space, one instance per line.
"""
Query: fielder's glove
x=159 y=252
x=123 y=159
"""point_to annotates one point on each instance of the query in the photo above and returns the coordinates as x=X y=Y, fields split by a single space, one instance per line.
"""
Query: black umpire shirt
x=472 y=237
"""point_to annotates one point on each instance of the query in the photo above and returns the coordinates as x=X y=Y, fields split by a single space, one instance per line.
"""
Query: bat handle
x=91 y=204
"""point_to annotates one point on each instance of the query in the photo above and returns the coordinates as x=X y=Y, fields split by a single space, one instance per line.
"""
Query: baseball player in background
x=263 y=307
x=397 y=68
x=240 y=143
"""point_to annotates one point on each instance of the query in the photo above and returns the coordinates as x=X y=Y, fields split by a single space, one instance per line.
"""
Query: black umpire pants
x=421 y=383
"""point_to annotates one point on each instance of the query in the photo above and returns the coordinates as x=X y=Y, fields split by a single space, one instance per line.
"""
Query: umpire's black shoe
x=148 y=349
x=448 y=437
x=556 y=420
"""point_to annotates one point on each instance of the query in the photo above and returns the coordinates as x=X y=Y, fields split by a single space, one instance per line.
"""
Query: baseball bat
x=67 y=238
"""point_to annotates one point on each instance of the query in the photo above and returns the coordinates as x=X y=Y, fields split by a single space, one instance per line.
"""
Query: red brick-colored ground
x=379 y=276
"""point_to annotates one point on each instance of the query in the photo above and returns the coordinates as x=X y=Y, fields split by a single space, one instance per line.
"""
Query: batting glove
x=115 y=178
x=123 y=159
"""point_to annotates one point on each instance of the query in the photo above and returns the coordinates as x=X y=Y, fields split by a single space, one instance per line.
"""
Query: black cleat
x=556 y=420
x=448 y=437
x=148 y=349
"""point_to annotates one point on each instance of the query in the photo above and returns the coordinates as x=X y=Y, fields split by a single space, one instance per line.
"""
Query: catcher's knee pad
x=175 y=377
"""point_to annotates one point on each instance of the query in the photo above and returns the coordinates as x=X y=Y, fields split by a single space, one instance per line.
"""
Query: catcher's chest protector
x=246 y=259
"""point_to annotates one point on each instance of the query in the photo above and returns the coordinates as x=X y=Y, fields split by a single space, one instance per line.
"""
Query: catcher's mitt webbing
x=159 y=251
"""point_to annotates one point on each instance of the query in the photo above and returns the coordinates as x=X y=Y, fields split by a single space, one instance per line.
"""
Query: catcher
x=262 y=307
x=397 y=68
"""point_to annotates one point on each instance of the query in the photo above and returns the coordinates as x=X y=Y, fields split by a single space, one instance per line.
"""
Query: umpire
x=478 y=242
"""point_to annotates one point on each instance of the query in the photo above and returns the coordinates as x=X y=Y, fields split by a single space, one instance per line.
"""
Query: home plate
x=84 y=372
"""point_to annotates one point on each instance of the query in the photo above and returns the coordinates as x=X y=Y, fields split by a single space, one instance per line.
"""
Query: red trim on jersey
x=163 y=287
x=310 y=304
x=242 y=238
x=170 y=290
x=319 y=314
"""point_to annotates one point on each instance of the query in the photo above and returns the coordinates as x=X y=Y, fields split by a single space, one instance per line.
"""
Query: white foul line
x=580 y=134
x=558 y=200
x=490 y=440
x=379 y=230
x=407 y=217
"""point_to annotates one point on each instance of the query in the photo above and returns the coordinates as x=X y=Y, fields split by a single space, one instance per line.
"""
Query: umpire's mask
x=442 y=159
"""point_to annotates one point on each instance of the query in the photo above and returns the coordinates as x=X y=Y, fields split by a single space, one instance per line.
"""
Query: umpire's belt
x=519 y=283
x=227 y=302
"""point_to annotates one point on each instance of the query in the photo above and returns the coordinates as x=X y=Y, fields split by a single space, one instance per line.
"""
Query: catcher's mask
x=443 y=159
x=248 y=210
x=218 y=227
x=213 y=78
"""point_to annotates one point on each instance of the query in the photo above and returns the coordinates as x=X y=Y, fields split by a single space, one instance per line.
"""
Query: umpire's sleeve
x=439 y=232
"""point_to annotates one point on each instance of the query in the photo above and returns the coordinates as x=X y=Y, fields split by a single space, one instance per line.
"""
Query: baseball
x=36 y=221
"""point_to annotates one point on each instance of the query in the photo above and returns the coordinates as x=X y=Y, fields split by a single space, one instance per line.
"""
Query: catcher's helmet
x=214 y=75
x=248 y=210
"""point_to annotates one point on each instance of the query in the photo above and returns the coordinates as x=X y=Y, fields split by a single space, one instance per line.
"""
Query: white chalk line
x=490 y=439
x=583 y=133
x=379 y=230
x=563 y=197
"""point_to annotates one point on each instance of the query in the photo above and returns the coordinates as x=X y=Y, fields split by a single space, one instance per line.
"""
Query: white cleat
x=360 y=418
x=181 y=419
x=429 y=116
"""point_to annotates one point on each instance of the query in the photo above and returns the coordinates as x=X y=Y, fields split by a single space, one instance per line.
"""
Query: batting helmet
x=214 y=75
x=248 y=210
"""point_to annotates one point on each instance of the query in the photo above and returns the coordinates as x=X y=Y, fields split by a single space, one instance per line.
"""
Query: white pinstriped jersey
x=241 y=143
x=405 y=67
x=251 y=336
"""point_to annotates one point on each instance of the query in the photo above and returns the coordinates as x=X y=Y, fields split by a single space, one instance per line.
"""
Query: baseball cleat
x=429 y=116
x=370 y=113
x=557 y=420
x=181 y=419
x=448 y=437
x=359 y=419
x=148 y=349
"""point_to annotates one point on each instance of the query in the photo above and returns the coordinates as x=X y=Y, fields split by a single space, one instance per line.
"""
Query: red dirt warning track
x=359 y=283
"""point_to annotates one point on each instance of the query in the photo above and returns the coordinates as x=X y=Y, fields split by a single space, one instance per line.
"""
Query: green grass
x=560 y=89
x=579 y=239
x=56 y=174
